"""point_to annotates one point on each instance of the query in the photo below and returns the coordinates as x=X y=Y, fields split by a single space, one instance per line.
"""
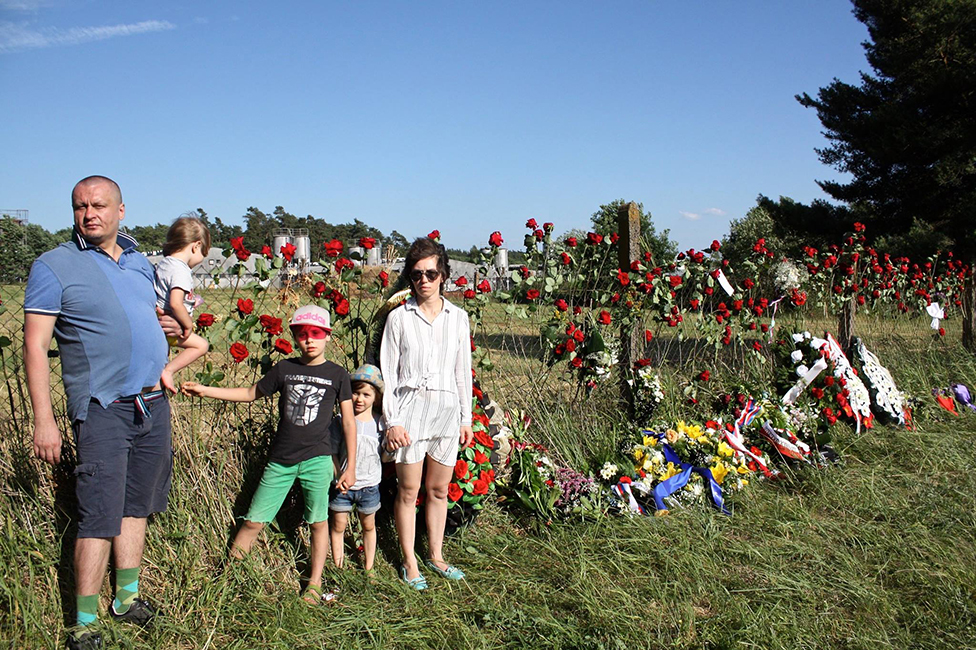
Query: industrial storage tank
x=352 y=254
x=374 y=256
x=302 y=247
x=279 y=239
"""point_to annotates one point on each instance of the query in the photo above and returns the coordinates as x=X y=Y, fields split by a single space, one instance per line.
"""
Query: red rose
x=483 y=439
x=480 y=487
x=495 y=239
x=757 y=346
x=694 y=304
x=367 y=242
x=570 y=345
x=484 y=286
x=461 y=281
x=675 y=280
x=242 y=254
x=318 y=289
x=623 y=277
x=245 y=306
x=648 y=335
x=548 y=226
x=571 y=242
x=343 y=263
x=604 y=317
x=593 y=238
x=531 y=224
x=577 y=362
x=479 y=457
x=561 y=305
x=712 y=424
x=538 y=234
x=239 y=352
x=941 y=331
x=469 y=294
x=715 y=245
x=579 y=336
x=454 y=492
x=333 y=248
x=266 y=251
x=283 y=346
x=566 y=259
x=237 y=243
x=532 y=294
x=748 y=283
x=434 y=234
x=288 y=251
x=460 y=469
x=704 y=375
x=817 y=392
x=271 y=324
x=342 y=307
x=577 y=310
x=384 y=278
x=205 y=320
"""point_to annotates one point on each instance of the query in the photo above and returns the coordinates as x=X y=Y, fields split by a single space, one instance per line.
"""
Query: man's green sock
x=87 y=611
x=126 y=589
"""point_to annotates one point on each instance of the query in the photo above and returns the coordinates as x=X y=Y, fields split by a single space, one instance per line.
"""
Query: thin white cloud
x=717 y=212
x=201 y=20
x=26 y=5
x=690 y=216
x=15 y=38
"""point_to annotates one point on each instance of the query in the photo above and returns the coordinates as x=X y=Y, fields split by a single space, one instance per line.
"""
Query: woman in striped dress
x=425 y=356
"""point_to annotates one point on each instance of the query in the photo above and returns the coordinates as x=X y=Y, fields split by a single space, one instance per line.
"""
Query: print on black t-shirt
x=307 y=398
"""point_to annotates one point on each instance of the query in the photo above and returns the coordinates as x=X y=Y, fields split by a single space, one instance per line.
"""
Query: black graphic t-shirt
x=305 y=406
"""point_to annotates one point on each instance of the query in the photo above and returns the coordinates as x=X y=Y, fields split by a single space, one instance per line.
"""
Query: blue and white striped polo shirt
x=107 y=331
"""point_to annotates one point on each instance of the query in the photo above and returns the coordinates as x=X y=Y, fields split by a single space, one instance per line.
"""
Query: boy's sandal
x=312 y=595
x=419 y=583
x=451 y=572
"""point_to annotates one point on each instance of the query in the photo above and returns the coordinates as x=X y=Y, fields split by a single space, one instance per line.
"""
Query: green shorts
x=314 y=475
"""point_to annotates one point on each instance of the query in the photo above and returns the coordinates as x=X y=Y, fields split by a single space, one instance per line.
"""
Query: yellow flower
x=638 y=454
x=671 y=435
x=725 y=450
x=693 y=432
x=742 y=469
x=672 y=470
x=745 y=482
x=650 y=441
x=719 y=470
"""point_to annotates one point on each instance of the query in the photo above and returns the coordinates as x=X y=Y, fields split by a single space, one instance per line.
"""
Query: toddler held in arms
x=187 y=243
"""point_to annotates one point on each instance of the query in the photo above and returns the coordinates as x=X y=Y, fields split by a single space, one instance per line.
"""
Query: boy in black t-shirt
x=309 y=388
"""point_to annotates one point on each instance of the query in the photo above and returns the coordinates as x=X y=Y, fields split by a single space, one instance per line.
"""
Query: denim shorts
x=366 y=500
x=125 y=464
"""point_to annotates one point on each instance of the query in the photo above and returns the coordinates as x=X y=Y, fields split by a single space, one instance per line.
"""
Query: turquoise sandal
x=451 y=572
x=419 y=583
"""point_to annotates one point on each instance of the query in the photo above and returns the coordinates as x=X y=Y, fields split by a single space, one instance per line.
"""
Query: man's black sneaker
x=85 y=641
x=140 y=612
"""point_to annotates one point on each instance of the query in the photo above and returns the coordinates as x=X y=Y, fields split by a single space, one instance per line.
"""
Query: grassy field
x=877 y=552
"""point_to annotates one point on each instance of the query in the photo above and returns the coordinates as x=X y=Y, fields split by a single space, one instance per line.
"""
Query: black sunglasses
x=432 y=274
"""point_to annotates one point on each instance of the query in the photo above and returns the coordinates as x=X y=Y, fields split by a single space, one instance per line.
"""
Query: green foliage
x=21 y=244
x=905 y=134
x=659 y=243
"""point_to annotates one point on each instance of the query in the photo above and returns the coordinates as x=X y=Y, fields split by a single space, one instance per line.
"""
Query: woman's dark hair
x=422 y=248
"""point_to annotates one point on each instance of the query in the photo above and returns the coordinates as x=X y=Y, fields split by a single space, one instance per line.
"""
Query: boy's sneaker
x=140 y=612
x=85 y=641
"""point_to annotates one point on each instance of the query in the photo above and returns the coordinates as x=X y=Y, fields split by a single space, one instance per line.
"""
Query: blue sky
x=464 y=116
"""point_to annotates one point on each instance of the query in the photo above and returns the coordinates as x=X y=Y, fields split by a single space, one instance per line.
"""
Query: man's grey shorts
x=125 y=464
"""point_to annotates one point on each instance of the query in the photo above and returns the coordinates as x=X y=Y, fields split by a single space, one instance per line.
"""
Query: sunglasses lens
x=430 y=274
x=310 y=332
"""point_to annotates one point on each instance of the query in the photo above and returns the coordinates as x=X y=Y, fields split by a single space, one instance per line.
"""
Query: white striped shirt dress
x=427 y=374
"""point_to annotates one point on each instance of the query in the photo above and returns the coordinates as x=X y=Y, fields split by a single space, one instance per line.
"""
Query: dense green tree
x=787 y=226
x=906 y=134
x=659 y=243
x=21 y=244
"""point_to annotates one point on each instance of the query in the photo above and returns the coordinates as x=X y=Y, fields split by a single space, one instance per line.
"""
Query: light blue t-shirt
x=110 y=340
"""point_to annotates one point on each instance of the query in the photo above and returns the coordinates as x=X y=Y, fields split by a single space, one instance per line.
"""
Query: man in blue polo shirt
x=95 y=295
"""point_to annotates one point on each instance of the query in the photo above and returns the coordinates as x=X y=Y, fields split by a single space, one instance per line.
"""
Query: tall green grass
x=876 y=552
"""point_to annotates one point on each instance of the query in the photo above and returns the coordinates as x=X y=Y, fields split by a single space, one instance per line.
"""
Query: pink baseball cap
x=311 y=315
